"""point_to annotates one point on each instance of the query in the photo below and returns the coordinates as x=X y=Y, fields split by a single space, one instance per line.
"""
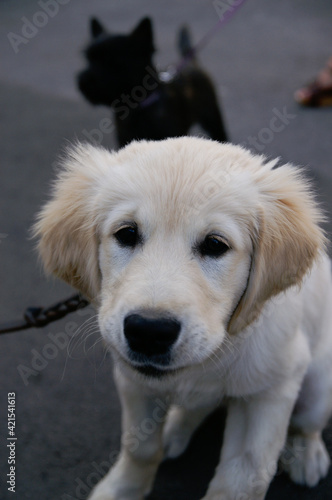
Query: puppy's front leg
x=132 y=476
x=255 y=434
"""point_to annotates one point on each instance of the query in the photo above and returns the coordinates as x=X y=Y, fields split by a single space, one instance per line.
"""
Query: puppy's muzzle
x=151 y=339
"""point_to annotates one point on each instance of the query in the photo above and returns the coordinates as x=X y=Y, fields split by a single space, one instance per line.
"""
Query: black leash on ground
x=38 y=317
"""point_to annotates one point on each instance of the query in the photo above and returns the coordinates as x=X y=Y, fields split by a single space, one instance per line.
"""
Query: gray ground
x=68 y=418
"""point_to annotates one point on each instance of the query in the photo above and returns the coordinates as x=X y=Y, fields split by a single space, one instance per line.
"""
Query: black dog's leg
x=206 y=107
x=212 y=122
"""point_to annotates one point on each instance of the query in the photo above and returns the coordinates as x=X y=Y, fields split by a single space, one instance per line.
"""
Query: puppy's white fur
x=255 y=322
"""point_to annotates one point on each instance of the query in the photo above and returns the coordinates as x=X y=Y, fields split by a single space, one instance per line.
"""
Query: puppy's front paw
x=224 y=495
x=102 y=491
x=305 y=459
x=239 y=479
x=100 y=497
x=128 y=479
x=106 y=491
x=216 y=496
x=95 y=495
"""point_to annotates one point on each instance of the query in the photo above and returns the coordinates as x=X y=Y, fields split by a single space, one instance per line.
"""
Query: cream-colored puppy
x=208 y=270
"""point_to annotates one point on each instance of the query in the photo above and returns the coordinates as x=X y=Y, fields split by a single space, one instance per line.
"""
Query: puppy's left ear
x=286 y=240
x=143 y=35
x=67 y=226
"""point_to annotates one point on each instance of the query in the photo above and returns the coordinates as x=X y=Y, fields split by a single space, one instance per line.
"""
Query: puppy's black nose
x=150 y=336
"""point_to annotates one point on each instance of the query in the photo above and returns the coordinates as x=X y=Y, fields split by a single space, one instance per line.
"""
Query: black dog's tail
x=185 y=44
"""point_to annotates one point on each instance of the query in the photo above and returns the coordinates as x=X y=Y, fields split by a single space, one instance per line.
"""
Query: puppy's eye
x=213 y=246
x=127 y=236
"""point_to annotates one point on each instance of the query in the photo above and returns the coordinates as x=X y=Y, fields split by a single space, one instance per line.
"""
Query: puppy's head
x=116 y=63
x=178 y=242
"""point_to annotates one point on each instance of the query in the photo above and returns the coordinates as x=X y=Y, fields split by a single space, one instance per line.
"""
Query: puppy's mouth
x=153 y=371
x=149 y=369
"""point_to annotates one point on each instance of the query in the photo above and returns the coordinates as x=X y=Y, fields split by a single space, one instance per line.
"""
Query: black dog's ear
x=143 y=33
x=96 y=28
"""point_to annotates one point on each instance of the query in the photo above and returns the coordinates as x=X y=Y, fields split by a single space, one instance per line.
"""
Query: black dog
x=121 y=75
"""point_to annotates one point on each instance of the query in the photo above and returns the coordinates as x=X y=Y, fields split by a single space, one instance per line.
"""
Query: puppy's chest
x=204 y=390
x=213 y=389
x=241 y=375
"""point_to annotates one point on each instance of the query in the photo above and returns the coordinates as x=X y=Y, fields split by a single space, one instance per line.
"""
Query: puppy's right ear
x=96 y=28
x=287 y=239
x=67 y=226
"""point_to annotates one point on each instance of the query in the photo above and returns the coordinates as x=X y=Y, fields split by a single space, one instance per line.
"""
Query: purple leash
x=225 y=9
x=230 y=8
